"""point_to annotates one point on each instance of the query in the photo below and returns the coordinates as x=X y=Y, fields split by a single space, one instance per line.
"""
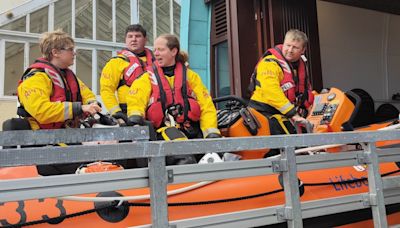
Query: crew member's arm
x=139 y=96
x=208 y=117
x=89 y=101
x=109 y=80
x=34 y=94
x=269 y=74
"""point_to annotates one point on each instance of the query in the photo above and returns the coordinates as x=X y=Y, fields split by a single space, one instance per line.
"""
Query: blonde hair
x=54 y=40
x=173 y=42
x=297 y=35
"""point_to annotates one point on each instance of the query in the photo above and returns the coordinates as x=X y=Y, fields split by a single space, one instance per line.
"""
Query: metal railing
x=382 y=191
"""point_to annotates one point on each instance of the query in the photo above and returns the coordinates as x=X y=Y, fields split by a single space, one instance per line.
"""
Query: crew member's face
x=64 y=57
x=164 y=56
x=292 y=50
x=135 y=42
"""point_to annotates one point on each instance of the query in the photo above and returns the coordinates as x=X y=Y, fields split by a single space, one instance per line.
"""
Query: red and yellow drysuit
x=118 y=75
x=50 y=96
x=148 y=99
x=278 y=88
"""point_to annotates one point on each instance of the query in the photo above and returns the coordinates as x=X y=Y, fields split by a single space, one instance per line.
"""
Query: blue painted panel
x=204 y=79
x=199 y=10
x=195 y=36
x=184 y=26
x=198 y=32
x=198 y=56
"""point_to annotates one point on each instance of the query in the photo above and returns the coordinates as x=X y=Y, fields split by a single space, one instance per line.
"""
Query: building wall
x=8 y=109
x=195 y=36
x=7 y=5
x=359 y=49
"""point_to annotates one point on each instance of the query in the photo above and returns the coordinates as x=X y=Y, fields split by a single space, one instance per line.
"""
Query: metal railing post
x=158 y=191
x=292 y=210
x=376 y=198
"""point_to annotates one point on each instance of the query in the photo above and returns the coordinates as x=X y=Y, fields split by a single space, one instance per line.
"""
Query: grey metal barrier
x=157 y=176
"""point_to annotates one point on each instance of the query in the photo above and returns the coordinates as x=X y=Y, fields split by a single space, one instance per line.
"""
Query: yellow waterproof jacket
x=34 y=95
x=141 y=90
x=110 y=78
x=269 y=91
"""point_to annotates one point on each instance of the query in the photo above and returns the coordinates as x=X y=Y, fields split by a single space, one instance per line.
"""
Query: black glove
x=120 y=116
x=98 y=103
x=135 y=120
x=213 y=136
x=106 y=119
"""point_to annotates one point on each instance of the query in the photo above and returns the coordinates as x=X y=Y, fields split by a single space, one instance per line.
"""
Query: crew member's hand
x=298 y=119
x=135 y=120
x=121 y=117
x=92 y=108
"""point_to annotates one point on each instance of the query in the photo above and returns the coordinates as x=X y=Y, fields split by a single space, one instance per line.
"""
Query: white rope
x=133 y=198
x=197 y=185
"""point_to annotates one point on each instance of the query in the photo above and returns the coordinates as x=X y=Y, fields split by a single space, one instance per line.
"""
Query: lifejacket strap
x=76 y=109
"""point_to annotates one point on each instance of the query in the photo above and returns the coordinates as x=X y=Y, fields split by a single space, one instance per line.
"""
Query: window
x=163 y=19
x=91 y=23
x=84 y=19
x=146 y=18
x=102 y=59
x=222 y=80
x=34 y=52
x=104 y=20
x=84 y=66
x=14 y=67
x=17 y=25
x=123 y=19
x=38 y=21
x=63 y=19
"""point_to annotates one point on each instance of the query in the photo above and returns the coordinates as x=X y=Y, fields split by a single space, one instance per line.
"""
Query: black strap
x=185 y=97
x=163 y=96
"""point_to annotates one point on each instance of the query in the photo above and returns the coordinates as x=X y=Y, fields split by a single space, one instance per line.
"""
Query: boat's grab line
x=116 y=203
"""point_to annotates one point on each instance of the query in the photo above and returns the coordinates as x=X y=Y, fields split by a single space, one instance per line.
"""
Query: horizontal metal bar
x=392 y=196
x=219 y=171
x=267 y=216
x=331 y=160
x=388 y=154
x=391 y=182
x=71 y=184
x=79 y=42
x=72 y=135
x=70 y=154
x=275 y=141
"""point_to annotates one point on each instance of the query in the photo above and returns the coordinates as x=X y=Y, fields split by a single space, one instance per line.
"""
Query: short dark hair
x=135 y=28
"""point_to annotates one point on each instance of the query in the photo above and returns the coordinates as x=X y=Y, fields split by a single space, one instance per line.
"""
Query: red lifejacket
x=65 y=88
x=163 y=97
x=136 y=66
x=292 y=89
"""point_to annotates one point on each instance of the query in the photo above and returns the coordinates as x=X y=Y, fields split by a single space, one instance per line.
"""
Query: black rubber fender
x=110 y=211
x=301 y=186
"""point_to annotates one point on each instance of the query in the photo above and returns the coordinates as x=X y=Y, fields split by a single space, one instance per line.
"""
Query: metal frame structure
x=382 y=191
x=87 y=44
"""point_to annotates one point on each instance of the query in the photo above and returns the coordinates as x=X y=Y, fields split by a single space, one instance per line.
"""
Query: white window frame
x=86 y=44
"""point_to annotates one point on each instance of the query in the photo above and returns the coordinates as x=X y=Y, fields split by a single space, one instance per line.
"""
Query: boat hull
x=232 y=191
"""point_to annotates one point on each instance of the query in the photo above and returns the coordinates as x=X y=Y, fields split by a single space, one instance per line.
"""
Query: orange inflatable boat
x=330 y=113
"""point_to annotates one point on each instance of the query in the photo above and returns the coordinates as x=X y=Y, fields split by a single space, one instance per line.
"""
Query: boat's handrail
x=158 y=175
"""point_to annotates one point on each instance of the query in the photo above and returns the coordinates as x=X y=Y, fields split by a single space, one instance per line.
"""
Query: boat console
x=331 y=109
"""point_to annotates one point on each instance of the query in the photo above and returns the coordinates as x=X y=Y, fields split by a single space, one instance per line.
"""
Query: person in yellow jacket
x=50 y=94
x=121 y=70
x=280 y=84
x=170 y=89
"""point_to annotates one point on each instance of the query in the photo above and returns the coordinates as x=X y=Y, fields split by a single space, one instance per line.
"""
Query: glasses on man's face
x=71 y=49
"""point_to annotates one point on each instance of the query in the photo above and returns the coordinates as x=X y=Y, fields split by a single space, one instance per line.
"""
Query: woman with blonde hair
x=170 y=91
